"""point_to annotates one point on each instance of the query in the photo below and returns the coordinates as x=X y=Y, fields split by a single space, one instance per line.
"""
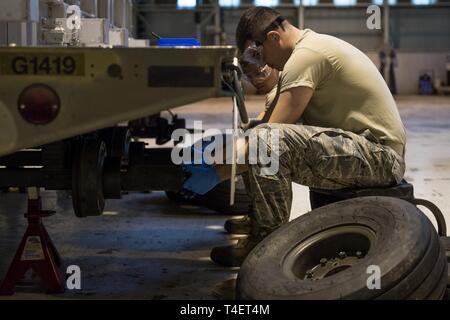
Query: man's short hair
x=252 y=23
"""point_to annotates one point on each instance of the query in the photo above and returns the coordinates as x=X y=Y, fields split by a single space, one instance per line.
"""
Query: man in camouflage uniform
x=350 y=135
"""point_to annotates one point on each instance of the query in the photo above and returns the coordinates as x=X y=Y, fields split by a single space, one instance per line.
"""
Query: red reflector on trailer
x=39 y=104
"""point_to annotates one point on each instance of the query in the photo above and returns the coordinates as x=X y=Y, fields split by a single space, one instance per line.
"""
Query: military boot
x=238 y=225
x=234 y=255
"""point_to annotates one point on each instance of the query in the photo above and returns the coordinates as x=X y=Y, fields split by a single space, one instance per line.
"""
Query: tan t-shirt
x=349 y=91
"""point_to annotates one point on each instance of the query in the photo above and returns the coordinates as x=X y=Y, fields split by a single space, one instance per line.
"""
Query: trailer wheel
x=335 y=251
x=218 y=199
x=87 y=178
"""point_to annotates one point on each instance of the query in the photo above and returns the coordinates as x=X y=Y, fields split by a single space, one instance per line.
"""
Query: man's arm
x=290 y=107
x=260 y=116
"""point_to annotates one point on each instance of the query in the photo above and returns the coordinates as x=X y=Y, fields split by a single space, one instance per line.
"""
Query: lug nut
x=323 y=261
x=342 y=254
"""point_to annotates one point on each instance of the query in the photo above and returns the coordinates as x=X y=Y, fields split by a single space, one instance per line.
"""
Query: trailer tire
x=87 y=178
x=388 y=233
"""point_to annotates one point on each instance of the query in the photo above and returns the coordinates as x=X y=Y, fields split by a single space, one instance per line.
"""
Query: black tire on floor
x=372 y=231
x=218 y=199
x=432 y=282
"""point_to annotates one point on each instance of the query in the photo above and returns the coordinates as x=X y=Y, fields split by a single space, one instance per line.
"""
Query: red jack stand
x=36 y=252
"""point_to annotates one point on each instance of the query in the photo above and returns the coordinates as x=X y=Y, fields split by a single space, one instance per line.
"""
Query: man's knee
x=292 y=134
x=277 y=133
x=268 y=126
x=281 y=128
x=267 y=143
x=289 y=140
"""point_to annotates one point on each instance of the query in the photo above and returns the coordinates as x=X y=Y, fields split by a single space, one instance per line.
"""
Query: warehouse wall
x=413 y=64
x=421 y=36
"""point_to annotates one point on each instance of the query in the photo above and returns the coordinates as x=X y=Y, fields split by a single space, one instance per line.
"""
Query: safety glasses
x=259 y=40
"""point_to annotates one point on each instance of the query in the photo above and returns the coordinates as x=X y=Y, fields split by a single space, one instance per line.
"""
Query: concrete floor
x=146 y=247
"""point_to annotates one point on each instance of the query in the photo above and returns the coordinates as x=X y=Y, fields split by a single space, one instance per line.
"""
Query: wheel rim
x=328 y=252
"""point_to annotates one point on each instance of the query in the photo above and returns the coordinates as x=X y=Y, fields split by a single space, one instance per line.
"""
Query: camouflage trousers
x=323 y=158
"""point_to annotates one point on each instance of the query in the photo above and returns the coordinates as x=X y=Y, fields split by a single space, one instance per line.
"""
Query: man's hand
x=265 y=84
x=263 y=78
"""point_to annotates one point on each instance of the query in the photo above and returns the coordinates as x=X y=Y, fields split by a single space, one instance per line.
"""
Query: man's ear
x=274 y=36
